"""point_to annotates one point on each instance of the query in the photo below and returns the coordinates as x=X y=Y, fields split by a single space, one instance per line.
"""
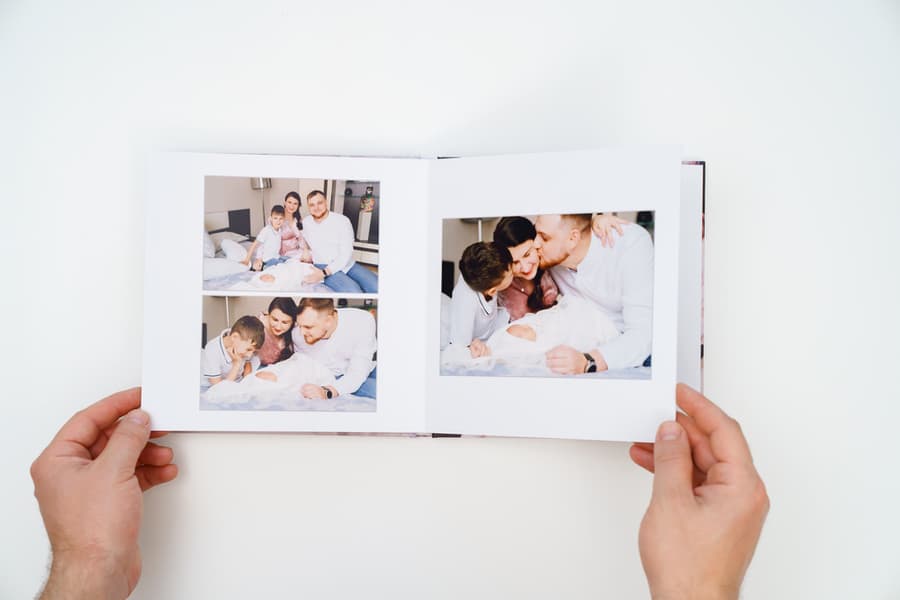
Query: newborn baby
x=291 y=374
x=289 y=274
x=572 y=322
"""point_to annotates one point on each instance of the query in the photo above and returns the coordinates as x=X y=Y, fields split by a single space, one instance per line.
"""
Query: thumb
x=127 y=442
x=672 y=462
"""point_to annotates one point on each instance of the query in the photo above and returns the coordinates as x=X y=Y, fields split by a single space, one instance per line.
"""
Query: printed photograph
x=288 y=353
x=554 y=295
x=290 y=235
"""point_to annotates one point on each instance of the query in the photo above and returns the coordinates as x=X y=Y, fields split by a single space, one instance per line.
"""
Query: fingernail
x=138 y=416
x=668 y=431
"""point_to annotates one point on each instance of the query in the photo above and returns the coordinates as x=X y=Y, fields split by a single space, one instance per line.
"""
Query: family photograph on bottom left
x=288 y=354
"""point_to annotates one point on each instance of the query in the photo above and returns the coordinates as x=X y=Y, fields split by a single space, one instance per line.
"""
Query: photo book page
x=525 y=295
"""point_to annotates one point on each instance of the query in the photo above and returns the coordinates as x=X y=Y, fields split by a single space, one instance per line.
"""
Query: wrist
x=701 y=592
x=76 y=577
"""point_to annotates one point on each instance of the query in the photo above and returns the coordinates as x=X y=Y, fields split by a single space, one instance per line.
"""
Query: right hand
x=708 y=505
x=478 y=349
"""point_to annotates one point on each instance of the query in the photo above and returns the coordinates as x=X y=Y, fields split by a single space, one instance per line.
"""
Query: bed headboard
x=237 y=221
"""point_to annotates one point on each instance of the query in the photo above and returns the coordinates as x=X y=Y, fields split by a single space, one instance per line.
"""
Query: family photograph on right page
x=555 y=290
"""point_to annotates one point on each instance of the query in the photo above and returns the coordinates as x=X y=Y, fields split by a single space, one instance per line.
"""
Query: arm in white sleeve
x=361 y=363
x=344 y=250
x=634 y=345
x=462 y=316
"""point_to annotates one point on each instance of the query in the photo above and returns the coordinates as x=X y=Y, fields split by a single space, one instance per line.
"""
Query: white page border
x=588 y=181
x=173 y=291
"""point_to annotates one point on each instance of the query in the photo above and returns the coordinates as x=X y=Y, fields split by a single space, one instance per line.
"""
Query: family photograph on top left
x=290 y=235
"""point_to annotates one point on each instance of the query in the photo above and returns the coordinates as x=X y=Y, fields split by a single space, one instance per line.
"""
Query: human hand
x=312 y=391
x=569 y=361
x=315 y=277
x=258 y=265
x=267 y=376
x=88 y=483
x=477 y=349
x=603 y=226
x=708 y=505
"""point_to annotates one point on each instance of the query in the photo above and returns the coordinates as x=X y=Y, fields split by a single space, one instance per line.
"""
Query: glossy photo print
x=551 y=295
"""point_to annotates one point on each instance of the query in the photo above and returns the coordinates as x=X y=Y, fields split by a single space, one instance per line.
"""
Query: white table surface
x=793 y=106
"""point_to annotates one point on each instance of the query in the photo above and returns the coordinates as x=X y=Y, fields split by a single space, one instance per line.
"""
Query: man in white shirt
x=619 y=280
x=330 y=236
x=341 y=339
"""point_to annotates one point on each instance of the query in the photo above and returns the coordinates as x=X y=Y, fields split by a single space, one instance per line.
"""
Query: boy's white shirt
x=269 y=243
x=472 y=317
x=217 y=362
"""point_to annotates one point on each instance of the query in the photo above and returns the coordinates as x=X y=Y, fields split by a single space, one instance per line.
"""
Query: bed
x=227 y=239
x=284 y=400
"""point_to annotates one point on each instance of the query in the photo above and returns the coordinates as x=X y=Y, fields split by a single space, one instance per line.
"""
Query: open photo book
x=539 y=295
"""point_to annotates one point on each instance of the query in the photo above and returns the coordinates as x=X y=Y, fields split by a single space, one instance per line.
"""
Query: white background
x=793 y=105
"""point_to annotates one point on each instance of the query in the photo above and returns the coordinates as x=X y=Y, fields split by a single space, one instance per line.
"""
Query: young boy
x=485 y=269
x=269 y=243
x=232 y=354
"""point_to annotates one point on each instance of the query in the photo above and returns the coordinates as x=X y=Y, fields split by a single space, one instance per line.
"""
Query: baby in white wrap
x=573 y=321
x=286 y=275
x=288 y=375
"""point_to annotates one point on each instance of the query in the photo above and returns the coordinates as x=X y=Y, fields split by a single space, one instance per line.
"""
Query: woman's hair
x=296 y=197
x=512 y=231
x=287 y=306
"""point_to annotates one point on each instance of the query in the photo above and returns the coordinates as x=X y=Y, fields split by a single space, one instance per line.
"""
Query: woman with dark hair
x=292 y=241
x=532 y=288
x=278 y=322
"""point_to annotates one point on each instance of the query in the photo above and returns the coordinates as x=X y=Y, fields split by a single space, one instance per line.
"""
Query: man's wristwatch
x=328 y=393
x=324 y=272
x=591 y=366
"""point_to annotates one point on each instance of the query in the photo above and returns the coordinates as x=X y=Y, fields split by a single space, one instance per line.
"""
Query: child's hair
x=512 y=231
x=250 y=329
x=277 y=210
x=287 y=306
x=484 y=264
x=317 y=304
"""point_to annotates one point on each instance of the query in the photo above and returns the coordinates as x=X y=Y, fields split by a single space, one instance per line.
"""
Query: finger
x=673 y=467
x=126 y=443
x=700 y=448
x=155 y=455
x=641 y=457
x=86 y=426
x=158 y=434
x=149 y=475
x=726 y=440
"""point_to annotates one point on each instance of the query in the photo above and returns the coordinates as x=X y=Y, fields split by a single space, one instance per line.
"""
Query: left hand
x=566 y=360
x=88 y=483
x=314 y=277
x=316 y=392
x=603 y=226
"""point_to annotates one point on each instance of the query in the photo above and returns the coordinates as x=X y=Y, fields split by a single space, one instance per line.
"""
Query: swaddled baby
x=572 y=322
x=291 y=374
x=287 y=275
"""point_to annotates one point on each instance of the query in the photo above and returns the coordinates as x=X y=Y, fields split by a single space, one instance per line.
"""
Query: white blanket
x=292 y=374
x=573 y=322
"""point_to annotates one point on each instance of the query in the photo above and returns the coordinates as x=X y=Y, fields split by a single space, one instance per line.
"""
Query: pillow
x=233 y=250
x=209 y=246
x=220 y=267
x=227 y=235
